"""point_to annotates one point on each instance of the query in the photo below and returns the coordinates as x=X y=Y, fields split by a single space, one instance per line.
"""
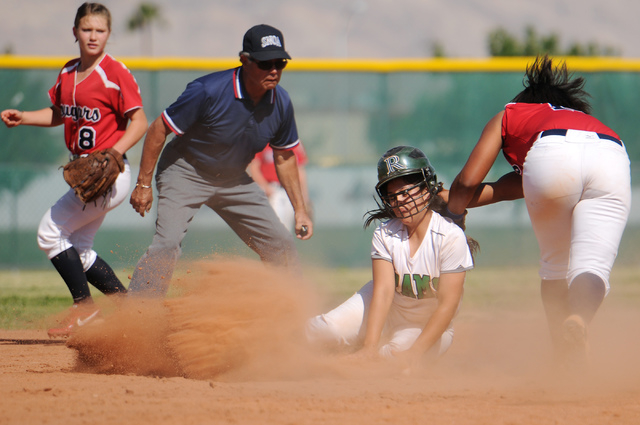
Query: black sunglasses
x=268 y=65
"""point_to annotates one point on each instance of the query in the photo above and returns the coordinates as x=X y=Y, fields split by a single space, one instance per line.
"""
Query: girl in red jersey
x=573 y=173
x=95 y=97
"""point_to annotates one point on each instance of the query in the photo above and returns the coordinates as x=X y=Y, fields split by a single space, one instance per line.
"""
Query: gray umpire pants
x=239 y=201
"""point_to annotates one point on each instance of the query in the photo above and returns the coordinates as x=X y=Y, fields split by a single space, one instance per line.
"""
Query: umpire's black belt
x=563 y=132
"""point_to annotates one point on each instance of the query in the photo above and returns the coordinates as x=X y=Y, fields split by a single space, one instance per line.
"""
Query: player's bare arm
x=142 y=195
x=46 y=117
x=477 y=167
x=287 y=171
x=450 y=289
x=383 y=291
x=135 y=130
x=506 y=188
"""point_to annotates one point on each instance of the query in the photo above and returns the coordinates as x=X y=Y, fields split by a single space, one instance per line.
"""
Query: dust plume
x=240 y=318
x=236 y=319
x=132 y=340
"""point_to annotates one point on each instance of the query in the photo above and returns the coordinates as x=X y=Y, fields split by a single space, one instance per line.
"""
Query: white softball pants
x=70 y=223
x=345 y=325
x=279 y=201
x=577 y=189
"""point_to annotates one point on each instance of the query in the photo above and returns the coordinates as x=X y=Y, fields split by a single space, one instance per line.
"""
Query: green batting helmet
x=403 y=161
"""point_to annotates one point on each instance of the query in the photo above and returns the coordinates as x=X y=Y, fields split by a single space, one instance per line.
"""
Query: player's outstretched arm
x=484 y=154
x=450 y=290
x=47 y=117
x=506 y=188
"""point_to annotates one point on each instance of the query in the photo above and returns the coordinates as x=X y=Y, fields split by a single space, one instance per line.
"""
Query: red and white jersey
x=94 y=109
x=523 y=122
x=268 y=168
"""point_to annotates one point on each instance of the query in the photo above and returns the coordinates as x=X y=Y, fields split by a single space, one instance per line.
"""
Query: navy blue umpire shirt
x=218 y=128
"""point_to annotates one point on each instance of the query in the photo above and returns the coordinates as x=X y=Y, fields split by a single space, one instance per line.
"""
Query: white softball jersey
x=443 y=250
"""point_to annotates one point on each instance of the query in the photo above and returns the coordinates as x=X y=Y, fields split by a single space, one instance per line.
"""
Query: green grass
x=18 y=312
x=30 y=299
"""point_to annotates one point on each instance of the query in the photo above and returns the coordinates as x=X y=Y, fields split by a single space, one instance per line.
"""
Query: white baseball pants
x=69 y=222
x=345 y=325
x=577 y=189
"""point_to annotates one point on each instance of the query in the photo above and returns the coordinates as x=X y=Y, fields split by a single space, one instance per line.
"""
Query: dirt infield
x=218 y=357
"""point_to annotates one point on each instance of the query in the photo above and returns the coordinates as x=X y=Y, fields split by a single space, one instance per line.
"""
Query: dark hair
x=92 y=9
x=545 y=83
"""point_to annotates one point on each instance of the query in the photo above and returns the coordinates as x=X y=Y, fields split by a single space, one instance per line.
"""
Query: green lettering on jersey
x=422 y=286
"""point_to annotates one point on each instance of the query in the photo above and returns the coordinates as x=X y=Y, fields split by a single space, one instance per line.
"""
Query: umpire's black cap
x=264 y=42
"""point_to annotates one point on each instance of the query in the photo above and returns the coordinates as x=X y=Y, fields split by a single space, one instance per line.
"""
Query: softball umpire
x=221 y=121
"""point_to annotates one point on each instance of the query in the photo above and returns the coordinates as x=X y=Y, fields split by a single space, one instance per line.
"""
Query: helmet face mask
x=408 y=201
x=414 y=167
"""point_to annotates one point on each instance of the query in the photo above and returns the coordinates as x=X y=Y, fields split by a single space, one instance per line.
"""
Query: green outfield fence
x=348 y=113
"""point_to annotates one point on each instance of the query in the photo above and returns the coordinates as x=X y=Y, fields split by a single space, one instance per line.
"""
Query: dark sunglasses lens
x=267 y=65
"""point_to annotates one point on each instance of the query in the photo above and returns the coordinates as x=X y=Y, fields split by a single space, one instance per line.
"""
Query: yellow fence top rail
x=506 y=64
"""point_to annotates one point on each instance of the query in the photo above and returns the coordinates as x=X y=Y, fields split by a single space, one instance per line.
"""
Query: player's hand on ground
x=142 y=199
x=408 y=361
x=364 y=354
x=11 y=117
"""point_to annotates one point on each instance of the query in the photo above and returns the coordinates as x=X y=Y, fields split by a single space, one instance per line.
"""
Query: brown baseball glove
x=92 y=176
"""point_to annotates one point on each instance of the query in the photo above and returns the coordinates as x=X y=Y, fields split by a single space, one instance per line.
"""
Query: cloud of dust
x=508 y=350
x=131 y=340
x=236 y=319
x=239 y=320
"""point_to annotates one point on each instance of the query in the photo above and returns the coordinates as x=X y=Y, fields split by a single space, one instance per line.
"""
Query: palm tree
x=142 y=19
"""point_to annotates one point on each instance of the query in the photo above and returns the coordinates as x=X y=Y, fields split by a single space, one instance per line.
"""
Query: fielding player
x=573 y=172
x=220 y=122
x=419 y=262
x=94 y=97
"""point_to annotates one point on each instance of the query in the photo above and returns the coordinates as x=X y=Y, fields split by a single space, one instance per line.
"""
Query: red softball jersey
x=522 y=122
x=94 y=109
